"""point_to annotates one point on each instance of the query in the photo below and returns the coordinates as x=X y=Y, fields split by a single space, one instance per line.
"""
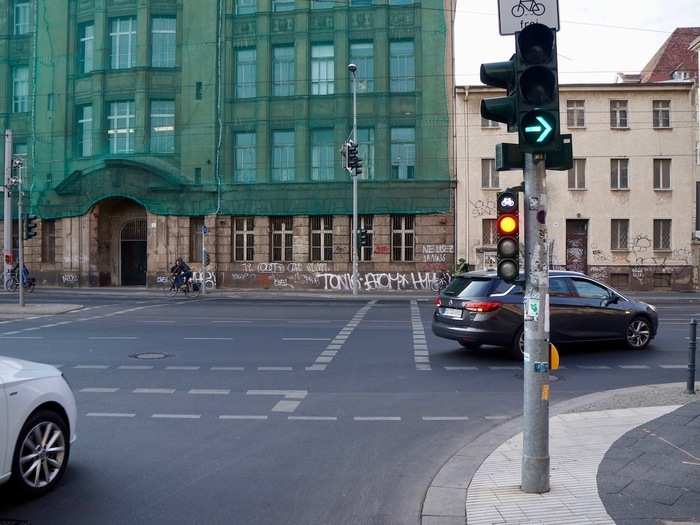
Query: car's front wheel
x=41 y=453
x=638 y=333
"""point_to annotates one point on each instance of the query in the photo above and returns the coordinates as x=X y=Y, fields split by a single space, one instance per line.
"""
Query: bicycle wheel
x=196 y=290
x=173 y=291
x=518 y=11
x=538 y=9
x=11 y=285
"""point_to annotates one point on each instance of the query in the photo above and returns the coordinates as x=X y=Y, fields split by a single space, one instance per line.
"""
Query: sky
x=597 y=38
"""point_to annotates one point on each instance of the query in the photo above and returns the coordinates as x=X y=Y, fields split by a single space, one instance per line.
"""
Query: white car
x=37 y=425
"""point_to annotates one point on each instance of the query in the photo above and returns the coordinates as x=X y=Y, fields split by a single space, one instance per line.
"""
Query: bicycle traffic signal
x=30 y=227
x=537 y=89
x=508 y=236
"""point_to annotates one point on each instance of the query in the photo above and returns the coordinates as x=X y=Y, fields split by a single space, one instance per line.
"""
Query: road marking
x=275 y=368
x=315 y=368
x=228 y=368
x=593 y=367
x=157 y=322
x=376 y=418
x=231 y=322
x=12 y=333
x=135 y=367
x=634 y=367
x=306 y=339
x=208 y=338
x=324 y=359
x=329 y=353
x=176 y=416
x=22 y=337
x=505 y=367
x=243 y=417
x=496 y=417
x=97 y=390
x=421 y=356
x=182 y=367
x=109 y=414
x=451 y=368
x=288 y=394
x=312 y=418
x=673 y=366
x=286 y=406
x=210 y=391
x=153 y=391
x=109 y=337
x=445 y=418
x=92 y=367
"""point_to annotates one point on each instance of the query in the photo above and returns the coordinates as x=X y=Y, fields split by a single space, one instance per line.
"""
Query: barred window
x=196 y=238
x=619 y=234
x=662 y=174
x=21 y=17
x=662 y=234
x=575 y=115
x=366 y=224
x=162 y=126
x=402 y=237
x=577 y=175
x=489 y=175
x=282 y=238
x=85 y=130
x=618 y=114
x=402 y=66
x=489 y=235
x=243 y=238
x=322 y=238
x=662 y=113
x=48 y=241
x=123 y=37
x=163 y=41
x=619 y=179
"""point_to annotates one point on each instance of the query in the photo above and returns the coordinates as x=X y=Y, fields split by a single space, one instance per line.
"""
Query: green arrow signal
x=544 y=130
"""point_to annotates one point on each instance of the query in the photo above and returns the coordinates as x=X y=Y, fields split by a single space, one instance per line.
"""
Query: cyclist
x=181 y=272
x=25 y=273
x=462 y=266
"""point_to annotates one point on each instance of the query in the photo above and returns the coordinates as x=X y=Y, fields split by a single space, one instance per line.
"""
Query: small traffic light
x=30 y=227
x=364 y=239
x=501 y=109
x=537 y=89
x=207 y=259
x=352 y=154
x=358 y=167
x=508 y=236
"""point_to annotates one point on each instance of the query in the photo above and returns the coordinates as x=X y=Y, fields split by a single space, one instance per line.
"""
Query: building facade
x=625 y=213
x=156 y=129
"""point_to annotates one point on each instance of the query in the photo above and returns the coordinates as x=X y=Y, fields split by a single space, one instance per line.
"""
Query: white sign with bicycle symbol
x=515 y=15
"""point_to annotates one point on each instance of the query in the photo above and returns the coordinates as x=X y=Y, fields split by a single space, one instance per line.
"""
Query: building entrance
x=133 y=253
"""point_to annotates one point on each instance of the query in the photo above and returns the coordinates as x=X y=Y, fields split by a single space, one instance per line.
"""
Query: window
x=619 y=179
x=662 y=174
x=662 y=113
x=362 y=55
x=322 y=155
x=243 y=238
x=575 y=115
x=282 y=238
x=48 y=241
x=322 y=70
x=283 y=156
x=618 y=114
x=559 y=287
x=577 y=175
x=198 y=91
x=21 y=16
x=85 y=131
x=163 y=42
x=489 y=234
x=403 y=153
x=196 y=239
x=322 y=4
x=489 y=175
x=400 y=2
x=86 y=47
x=402 y=237
x=123 y=36
x=366 y=224
x=360 y=3
x=365 y=149
x=619 y=234
x=282 y=5
x=245 y=73
x=244 y=157
x=163 y=126
x=590 y=290
x=402 y=67
x=662 y=234
x=121 y=121
x=245 y=7
x=489 y=124
x=322 y=238
x=20 y=89
x=283 y=71
x=681 y=75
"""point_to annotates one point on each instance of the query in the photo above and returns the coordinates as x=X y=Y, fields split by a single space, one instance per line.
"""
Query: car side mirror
x=611 y=299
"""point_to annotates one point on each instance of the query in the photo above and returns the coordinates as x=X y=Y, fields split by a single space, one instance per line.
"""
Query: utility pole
x=355 y=278
x=535 y=461
x=7 y=202
x=205 y=232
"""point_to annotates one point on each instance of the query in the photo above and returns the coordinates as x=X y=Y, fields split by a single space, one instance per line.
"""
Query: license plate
x=452 y=313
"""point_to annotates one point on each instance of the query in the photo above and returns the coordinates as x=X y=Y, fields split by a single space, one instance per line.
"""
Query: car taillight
x=438 y=301
x=486 y=306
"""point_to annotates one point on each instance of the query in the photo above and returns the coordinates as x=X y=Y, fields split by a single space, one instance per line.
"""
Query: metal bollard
x=690 y=387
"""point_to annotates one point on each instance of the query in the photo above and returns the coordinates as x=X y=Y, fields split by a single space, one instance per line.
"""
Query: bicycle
x=441 y=282
x=188 y=288
x=520 y=9
x=12 y=283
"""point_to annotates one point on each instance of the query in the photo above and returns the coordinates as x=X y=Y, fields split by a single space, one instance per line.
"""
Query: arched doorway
x=133 y=253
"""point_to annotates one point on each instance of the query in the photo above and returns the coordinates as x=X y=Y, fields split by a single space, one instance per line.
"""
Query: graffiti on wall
x=342 y=282
x=437 y=253
x=209 y=278
x=483 y=208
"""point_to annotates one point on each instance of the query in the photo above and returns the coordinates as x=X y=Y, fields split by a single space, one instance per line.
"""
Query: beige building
x=625 y=213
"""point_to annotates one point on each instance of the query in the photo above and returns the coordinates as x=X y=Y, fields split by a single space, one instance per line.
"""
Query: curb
x=444 y=502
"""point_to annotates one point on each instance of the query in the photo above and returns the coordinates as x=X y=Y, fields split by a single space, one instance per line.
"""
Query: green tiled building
x=142 y=121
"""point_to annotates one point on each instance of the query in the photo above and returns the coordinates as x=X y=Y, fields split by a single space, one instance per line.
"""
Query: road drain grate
x=148 y=355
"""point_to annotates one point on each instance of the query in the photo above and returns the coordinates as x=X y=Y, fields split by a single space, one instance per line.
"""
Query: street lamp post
x=355 y=280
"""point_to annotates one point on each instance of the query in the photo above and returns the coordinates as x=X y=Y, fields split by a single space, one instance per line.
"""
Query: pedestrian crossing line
x=421 y=357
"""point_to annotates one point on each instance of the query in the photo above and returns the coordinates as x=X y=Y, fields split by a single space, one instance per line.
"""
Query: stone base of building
x=646 y=278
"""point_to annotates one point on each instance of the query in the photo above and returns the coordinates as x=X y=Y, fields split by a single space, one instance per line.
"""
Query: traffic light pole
x=355 y=279
x=535 y=462
x=7 y=201
x=20 y=267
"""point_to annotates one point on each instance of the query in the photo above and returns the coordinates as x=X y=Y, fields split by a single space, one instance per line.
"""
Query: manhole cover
x=150 y=355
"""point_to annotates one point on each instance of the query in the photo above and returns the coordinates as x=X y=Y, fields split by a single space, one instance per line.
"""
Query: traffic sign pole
x=535 y=461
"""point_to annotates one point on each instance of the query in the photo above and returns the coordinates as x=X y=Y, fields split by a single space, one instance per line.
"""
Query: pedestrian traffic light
x=30 y=227
x=537 y=89
x=508 y=236
x=501 y=109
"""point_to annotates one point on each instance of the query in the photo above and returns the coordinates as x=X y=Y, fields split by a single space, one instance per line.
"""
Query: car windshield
x=466 y=287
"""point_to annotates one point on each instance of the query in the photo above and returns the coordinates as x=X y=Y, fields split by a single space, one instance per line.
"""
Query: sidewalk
x=15 y=311
x=624 y=456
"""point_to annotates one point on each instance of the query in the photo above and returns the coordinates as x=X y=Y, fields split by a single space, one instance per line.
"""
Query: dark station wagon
x=478 y=308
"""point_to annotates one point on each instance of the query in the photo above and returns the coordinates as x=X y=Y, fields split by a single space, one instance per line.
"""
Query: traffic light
x=352 y=154
x=508 y=236
x=537 y=89
x=364 y=239
x=207 y=259
x=501 y=109
x=30 y=227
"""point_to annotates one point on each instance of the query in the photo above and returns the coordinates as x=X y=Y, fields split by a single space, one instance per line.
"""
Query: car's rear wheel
x=518 y=346
x=41 y=453
x=468 y=345
x=638 y=333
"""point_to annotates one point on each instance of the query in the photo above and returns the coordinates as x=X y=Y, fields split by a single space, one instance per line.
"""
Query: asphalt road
x=275 y=410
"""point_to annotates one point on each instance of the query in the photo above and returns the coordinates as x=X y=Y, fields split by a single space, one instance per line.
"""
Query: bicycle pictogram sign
x=528 y=6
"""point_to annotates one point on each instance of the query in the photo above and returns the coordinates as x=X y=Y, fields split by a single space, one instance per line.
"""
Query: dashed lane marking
x=306 y=338
x=110 y=414
x=21 y=337
x=227 y=368
x=98 y=390
x=275 y=369
x=187 y=368
x=208 y=338
x=238 y=417
x=634 y=367
x=176 y=416
x=92 y=367
x=505 y=368
x=452 y=368
x=445 y=418
x=312 y=418
x=376 y=418
x=210 y=391
x=496 y=417
x=673 y=366
x=153 y=391
x=112 y=337
x=135 y=367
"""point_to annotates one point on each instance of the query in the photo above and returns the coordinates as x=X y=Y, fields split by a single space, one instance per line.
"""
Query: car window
x=558 y=287
x=502 y=287
x=464 y=287
x=589 y=290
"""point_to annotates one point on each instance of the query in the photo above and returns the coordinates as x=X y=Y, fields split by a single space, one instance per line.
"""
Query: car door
x=4 y=456
x=562 y=310
x=598 y=318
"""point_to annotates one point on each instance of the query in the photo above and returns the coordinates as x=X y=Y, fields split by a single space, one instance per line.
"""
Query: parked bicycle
x=442 y=280
x=529 y=6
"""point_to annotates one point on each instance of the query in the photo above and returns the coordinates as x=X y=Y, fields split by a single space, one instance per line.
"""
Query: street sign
x=515 y=15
